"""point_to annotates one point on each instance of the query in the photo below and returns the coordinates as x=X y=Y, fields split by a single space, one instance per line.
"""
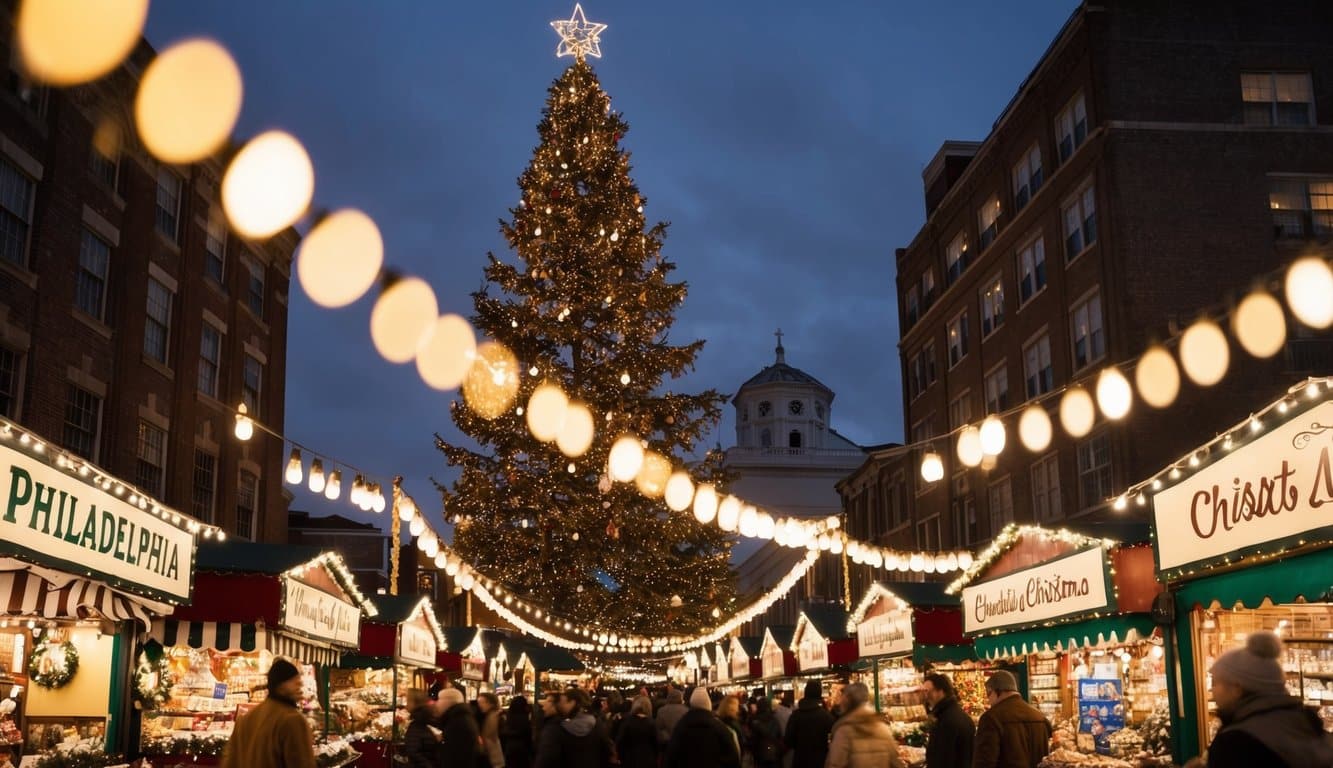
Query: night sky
x=783 y=140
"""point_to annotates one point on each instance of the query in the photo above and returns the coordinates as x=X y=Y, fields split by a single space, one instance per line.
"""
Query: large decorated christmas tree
x=586 y=302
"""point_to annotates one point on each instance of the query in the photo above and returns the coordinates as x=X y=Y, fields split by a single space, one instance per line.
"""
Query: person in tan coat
x=861 y=738
x=274 y=734
x=489 y=705
x=1012 y=733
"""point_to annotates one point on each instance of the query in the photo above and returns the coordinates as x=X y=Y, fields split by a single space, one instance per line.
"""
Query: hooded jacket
x=861 y=739
x=807 y=734
x=701 y=739
x=461 y=743
x=584 y=743
x=950 y=744
x=1272 y=731
x=419 y=744
x=272 y=735
x=637 y=743
x=1011 y=734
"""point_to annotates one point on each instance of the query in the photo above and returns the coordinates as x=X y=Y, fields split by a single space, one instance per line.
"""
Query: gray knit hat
x=1002 y=680
x=1255 y=668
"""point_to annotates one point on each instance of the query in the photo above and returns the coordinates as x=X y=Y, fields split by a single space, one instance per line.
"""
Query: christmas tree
x=587 y=305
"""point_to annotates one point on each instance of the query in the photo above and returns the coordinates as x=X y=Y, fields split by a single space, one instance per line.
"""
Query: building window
x=204 y=487
x=964 y=510
x=1046 y=489
x=765 y=408
x=83 y=416
x=794 y=439
x=1089 y=339
x=247 y=501
x=11 y=363
x=149 y=473
x=90 y=290
x=251 y=384
x=103 y=167
x=923 y=430
x=913 y=305
x=215 y=248
x=168 y=203
x=1071 y=127
x=1000 y=506
x=922 y=370
x=765 y=438
x=1301 y=207
x=1038 y=374
x=957 y=338
x=960 y=410
x=210 y=359
x=157 y=326
x=254 y=294
x=927 y=289
x=1277 y=98
x=928 y=533
x=16 y=195
x=1027 y=177
x=31 y=95
x=992 y=306
x=1094 y=470
x=1031 y=270
x=955 y=258
x=1080 y=217
x=988 y=221
x=997 y=390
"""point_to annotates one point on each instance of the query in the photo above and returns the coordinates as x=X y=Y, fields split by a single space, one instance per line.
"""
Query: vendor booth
x=253 y=603
x=721 y=664
x=86 y=563
x=1074 y=611
x=745 y=663
x=821 y=640
x=1242 y=533
x=777 y=662
x=524 y=663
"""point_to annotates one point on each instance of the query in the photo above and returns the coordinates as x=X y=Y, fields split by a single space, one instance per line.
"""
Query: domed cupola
x=782 y=408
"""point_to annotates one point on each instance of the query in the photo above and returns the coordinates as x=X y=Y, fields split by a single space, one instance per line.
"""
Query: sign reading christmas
x=1073 y=584
x=1255 y=500
x=60 y=519
x=885 y=634
x=319 y=614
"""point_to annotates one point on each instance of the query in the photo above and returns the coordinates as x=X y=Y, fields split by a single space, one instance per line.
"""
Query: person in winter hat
x=808 y=728
x=1261 y=723
x=700 y=738
x=861 y=738
x=1012 y=732
x=669 y=714
x=274 y=734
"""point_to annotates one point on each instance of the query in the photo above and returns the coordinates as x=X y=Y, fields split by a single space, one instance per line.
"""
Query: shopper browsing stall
x=274 y=734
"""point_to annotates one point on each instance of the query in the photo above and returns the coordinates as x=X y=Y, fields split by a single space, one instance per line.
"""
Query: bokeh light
x=268 y=185
x=705 y=503
x=492 y=383
x=1309 y=289
x=969 y=446
x=546 y=412
x=653 y=474
x=1077 y=412
x=1157 y=377
x=1114 y=395
x=404 y=313
x=1260 y=325
x=1204 y=353
x=625 y=459
x=679 y=491
x=577 y=431
x=445 y=347
x=188 y=101
x=67 y=42
x=1034 y=428
x=932 y=467
x=340 y=258
x=992 y=435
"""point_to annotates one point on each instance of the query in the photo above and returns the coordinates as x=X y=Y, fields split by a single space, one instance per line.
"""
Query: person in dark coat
x=548 y=740
x=1261 y=723
x=950 y=744
x=669 y=714
x=584 y=742
x=808 y=729
x=516 y=734
x=1012 y=733
x=274 y=734
x=420 y=746
x=765 y=736
x=701 y=739
x=636 y=744
x=460 y=743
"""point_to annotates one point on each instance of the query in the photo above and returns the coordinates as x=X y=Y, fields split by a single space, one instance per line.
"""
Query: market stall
x=468 y=660
x=551 y=668
x=745 y=665
x=368 y=692
x=208 y=661
x=902 y=630
x=1242 y=539
x=822 y=645
x=721 y=671
x=1073 y=611
x=86 y=562
x=777 y=661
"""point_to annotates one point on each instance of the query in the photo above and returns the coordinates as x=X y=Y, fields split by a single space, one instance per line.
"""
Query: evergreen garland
x=58 y=675
x=152 y=682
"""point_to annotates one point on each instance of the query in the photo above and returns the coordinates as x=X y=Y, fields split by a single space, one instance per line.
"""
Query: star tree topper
x=578 y=36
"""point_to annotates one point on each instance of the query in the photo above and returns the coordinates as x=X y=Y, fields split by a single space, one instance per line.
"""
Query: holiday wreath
x=152 y=680
x=53 y=664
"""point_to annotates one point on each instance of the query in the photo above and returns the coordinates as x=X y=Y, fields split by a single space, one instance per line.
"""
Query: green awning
x=1090 y=633
x=356 y=661
x=1282 y=581
x=942 y=654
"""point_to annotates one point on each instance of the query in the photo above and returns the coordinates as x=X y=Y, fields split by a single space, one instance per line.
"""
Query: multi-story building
x=363 y=546
x=786 y=460
x=1158 y=160
x=132 y=323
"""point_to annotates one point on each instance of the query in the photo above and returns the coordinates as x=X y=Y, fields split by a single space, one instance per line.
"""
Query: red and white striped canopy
x=26 y=592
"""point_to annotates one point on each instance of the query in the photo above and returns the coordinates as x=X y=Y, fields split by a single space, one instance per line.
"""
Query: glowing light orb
x=1309 y=288
x=679 y=491
x=403 y=315
x=1114 y=395
x=1204 y=353
x=340 y=258
x=969 y=446
x=932 y=468
x=546 y=412
x=1260 y=325
x=492 y=383
x=577 y=432
x=67 y=42
x=625 y=459
x=653 y=475
x=729 y=513
x=705 y=503
x=1157 y=377
x=446 y=347
x=992 y=435
x=1077 y=412
x=268 y=185
x=188 y=101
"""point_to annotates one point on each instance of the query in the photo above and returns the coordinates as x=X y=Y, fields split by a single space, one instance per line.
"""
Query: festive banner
x=319 y=614
x=1073 y=584
x=887 y=634
x=416 y=643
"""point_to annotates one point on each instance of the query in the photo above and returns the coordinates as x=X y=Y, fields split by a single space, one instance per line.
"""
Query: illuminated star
x=578 y=36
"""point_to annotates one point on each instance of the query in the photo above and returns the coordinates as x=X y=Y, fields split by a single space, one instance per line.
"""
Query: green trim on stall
x=116 y=695
x=1308 y=576
x=943 y=654
x=356 y=661
x=1066 y=636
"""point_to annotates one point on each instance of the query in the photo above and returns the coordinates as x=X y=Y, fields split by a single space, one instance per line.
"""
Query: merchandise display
x=900 y=691
x=363 y=703
x=970 y=683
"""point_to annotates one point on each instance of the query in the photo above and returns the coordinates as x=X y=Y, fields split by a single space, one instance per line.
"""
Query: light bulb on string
x=1204 y=353
x=333 y=487
x=653 y=474
x=407 y=509
x=268 y=185
x=1260 y=324
x=402 y=318
x=68 y=42
x=1157 y=377
x=1309 y=290
x=625 y=459
x=679 y=491
x=992 y=435
x=492 y=383
x=245 y=427
x=1077 y=412
x=379 y=504
x=416 y=526
x=932 y=467
x=293 y=474
x=705 y=503
x=317 y=480
x=188 y=100
x=1114 y=395
x=577 y=431
x=728 y=513
x=446 y=352
x=969 y=446
x=340 y=258
x=546 y=412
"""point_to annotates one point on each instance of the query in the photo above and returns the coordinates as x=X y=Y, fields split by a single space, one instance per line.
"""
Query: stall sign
x=1078 y=583
x=1101 y=710
x=812 y=651
x=320 y=615
x=416 y=643
x=55 y=518
x=473 y=669
x=887 y=634
x=1258 y=499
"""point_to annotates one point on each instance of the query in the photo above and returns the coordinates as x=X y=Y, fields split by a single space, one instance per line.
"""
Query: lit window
x=1277 y=98
x=1301 y=207
x=992 y=306
x=1038 y=374
x=955 y=257
x=988 y=221
x=957 y=338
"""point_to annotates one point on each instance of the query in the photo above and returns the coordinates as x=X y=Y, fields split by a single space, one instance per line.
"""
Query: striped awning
x=1103 y=632
x=217 y=635
x=300 y=649
x=24 y=593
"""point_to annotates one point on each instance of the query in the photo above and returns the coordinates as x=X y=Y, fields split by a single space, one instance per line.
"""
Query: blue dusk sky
x=783 y=140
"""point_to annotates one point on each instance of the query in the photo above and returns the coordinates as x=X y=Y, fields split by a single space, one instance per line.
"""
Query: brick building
x=131 y=322
x=1158 y=159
